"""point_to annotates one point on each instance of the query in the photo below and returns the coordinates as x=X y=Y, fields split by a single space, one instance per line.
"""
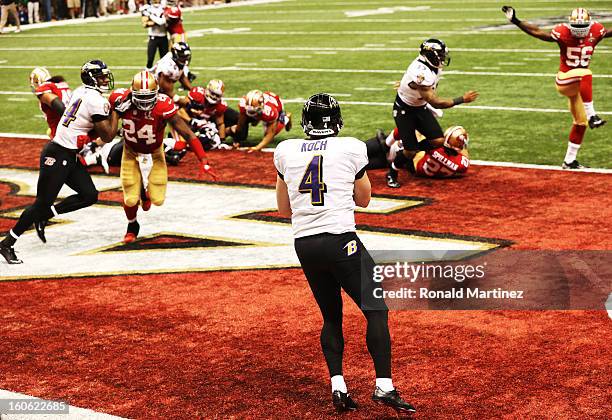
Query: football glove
x=510 y=14
x=122 y=104
x=205 y=168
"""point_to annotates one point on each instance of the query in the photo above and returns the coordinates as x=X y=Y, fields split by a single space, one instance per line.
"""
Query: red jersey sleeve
x=597 y=32
x=165 y=107
x=558 y=31
x=221 y=107
x=48 y=88
x=117 y=94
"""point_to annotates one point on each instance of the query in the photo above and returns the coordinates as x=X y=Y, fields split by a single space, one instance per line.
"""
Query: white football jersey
x=419 y=74
x=168 y=68
x=320 y=176
x=78 y=118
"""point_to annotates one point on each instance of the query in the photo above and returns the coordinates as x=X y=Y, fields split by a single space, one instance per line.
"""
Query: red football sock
x=130 y=212
x=577 y=134
x=586 y=88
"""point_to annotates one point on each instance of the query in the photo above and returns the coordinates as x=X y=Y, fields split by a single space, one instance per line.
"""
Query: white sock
x=13 y=234
x=385 y=384
x=338 y=383
x=590 y=109
x=572 y=152
x=390 y=139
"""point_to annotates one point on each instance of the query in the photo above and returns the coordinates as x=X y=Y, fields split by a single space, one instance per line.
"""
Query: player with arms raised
x=87 y=112
x=577 y=40
x=320 y=180
x=53 y=95
x=144 y=113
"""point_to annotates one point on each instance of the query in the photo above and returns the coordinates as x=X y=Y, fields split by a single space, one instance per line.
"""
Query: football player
x=154 y=19
x=174 y=22
x=577 y=40
x=417 y=89
x=53 y=94
x=258 y=106
x=170 y=69
x=320 y=181
x=88 y=114
x=144 y=113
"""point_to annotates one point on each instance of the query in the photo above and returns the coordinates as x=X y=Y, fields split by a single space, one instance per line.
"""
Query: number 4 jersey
x=576 y=52
x=143 y=131
x=86 y=106
x=320 y=176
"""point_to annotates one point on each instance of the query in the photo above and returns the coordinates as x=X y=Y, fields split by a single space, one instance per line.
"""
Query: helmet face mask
x=254 y=103
x=321 y=116
x=456 y=138
x=38 y=76
x=214 y=91
x=580 y=23
x=144 y=91
x=181 y=53
x=96 y=74
x=436 y=53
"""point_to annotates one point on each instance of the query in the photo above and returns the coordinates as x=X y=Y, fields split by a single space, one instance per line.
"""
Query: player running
x=174 y=23
x=577 y=40
x=87 y=111
x=319 y=182
x=53 y=94
x=144 y=113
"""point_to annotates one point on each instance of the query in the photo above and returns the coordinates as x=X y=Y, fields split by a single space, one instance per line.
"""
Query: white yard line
x=74 y=413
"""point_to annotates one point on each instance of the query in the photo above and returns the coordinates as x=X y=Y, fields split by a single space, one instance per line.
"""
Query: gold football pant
x=568 y=84
x=131 y=177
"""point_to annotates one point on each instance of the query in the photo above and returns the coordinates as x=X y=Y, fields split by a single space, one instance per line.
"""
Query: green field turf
x=296 y=48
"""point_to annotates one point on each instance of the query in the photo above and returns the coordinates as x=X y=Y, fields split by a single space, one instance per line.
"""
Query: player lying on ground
x=319 y=182
x=449 y=160
x=87 y=113
x=144 y=113
x=258 y=106
x=577 y=40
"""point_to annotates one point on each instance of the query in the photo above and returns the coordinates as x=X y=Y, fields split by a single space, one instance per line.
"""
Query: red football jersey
x=63 y=92
x=211 y=112
x=271 y=109
x=438 y=163
x=576 y=52
x=143 y=131
x=173 y=20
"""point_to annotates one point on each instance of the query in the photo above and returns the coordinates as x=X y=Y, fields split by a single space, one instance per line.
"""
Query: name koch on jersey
x=63 y=92
x=576 y=52
x=86 y=106
x=143 y=131
x=417 y=74
x=320 y=176
x=168 y=68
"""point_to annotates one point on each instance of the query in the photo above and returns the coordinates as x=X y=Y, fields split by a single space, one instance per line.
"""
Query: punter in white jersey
x=88 y=111
x=416 y=90
x=320 y=181
x=172 y=68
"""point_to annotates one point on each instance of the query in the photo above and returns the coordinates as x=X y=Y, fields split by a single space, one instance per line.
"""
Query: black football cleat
x=573 y=165
x=343 y=402
x=40 y=230
x=8 y=252
x=393 y=400
x=595 y=122
x=132 y=232
x=192 y=76
x=392 y=181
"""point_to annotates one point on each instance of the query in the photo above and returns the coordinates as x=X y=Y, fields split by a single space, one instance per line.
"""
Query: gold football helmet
x=254 y=103
x=214 y=91
x=144 y=90
x=456 y=138
x=38 y=76
x=580 y=22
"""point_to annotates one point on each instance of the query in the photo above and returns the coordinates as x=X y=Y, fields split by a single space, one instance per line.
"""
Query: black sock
x=9 y=240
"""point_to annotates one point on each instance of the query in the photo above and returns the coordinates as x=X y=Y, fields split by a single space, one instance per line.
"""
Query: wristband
x=458 y=100
x=515 y=20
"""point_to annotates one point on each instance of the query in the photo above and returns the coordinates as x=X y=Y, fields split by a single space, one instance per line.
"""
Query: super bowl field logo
x=200 y=227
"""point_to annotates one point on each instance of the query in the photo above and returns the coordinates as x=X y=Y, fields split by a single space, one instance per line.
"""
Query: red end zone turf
x=245 y=344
